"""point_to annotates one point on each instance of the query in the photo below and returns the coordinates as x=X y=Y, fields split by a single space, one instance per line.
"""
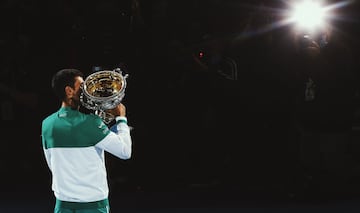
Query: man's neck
x=66 y=104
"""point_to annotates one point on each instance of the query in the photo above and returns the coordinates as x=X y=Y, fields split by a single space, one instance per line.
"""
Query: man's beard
x=75 y=103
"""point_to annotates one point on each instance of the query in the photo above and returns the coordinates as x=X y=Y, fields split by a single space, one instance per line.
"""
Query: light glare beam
x=308 y=15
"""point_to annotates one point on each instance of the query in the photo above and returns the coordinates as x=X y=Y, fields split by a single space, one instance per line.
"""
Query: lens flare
x=308 y=15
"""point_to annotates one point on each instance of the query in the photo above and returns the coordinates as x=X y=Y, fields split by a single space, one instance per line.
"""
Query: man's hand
x=119 y=110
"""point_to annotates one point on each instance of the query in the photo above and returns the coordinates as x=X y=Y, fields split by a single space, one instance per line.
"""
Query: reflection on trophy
x=103 y=90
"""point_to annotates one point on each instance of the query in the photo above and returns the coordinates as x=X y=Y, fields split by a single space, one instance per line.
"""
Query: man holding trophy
x=74 y=143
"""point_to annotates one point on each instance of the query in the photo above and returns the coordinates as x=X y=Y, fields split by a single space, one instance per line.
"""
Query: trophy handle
x=105 y=116
x=121 y=72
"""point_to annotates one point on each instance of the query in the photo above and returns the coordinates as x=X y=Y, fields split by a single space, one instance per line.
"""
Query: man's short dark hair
x=63 y=78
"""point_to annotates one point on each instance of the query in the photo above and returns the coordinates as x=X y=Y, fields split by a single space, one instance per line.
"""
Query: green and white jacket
x=74 y=145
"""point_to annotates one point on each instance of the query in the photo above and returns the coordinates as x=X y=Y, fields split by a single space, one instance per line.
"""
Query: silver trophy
x=103 y=90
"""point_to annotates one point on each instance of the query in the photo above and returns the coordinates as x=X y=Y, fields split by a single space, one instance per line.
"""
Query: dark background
x=231 y=130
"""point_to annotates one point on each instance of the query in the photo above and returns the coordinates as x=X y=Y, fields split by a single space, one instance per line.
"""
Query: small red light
x=201 y=54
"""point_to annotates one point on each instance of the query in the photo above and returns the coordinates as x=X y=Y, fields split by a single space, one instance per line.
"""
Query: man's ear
x=69 y=91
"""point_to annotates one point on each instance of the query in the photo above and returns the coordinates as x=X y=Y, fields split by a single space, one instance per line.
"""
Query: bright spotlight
x=308 y=15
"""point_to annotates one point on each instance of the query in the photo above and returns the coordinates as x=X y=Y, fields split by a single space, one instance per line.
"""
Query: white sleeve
x=118 y=143
x=47 y=157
